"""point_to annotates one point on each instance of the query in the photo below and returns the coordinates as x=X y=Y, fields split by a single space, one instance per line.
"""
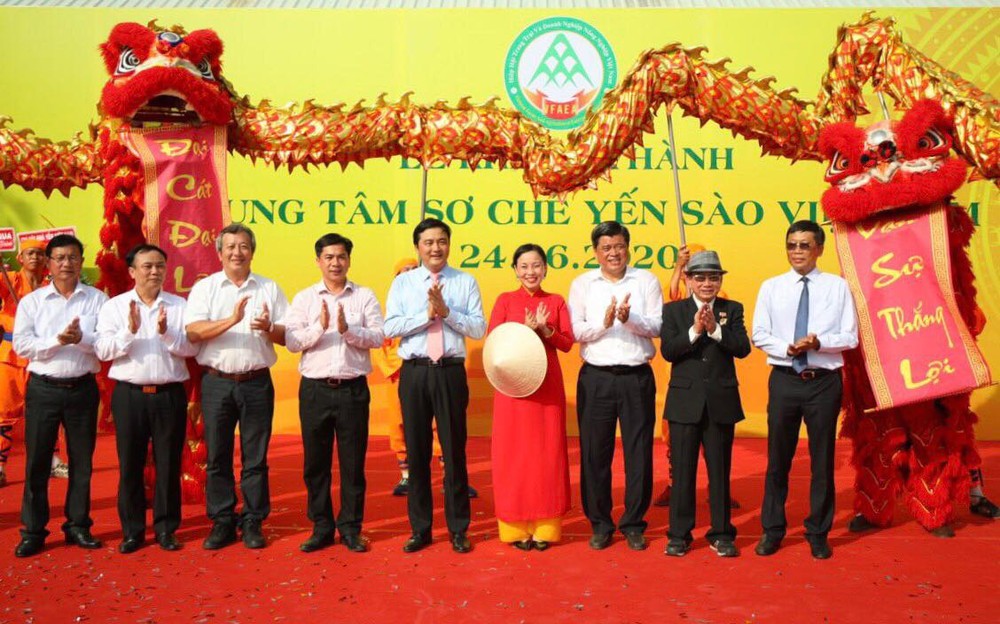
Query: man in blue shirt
x=433 y=308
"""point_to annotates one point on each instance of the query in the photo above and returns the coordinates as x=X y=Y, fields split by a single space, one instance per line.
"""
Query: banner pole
x=881 y=101
x=7 y=281
x=677 y=180
x=423 y=195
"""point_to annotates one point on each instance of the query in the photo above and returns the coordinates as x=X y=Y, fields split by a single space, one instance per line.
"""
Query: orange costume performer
x=13 y=369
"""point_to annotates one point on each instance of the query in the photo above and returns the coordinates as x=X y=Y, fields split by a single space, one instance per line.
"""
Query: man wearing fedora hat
x=701 y=337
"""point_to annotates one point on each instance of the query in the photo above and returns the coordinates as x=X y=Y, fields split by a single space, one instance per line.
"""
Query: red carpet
x=896 y=575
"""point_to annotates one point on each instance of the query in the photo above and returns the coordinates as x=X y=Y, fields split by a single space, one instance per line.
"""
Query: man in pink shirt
x=334 y=323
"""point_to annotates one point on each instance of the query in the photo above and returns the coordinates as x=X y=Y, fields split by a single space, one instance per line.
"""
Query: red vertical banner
x=186 y=200
x=915 y=344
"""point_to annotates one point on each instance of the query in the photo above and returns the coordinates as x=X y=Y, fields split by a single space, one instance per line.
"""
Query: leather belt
x=620 y=369
x=808 y=374
x=445 y=361
x=237 y=377
x=64 y=382
x=333 y=382
x=152 y=388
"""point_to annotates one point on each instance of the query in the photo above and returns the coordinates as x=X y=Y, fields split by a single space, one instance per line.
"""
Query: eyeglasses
x=703 y=277
x=803 y=246
x=610 y=248
x=66 y=259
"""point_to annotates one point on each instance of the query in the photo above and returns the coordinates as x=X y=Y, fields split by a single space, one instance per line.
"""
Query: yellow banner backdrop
x=737 y=202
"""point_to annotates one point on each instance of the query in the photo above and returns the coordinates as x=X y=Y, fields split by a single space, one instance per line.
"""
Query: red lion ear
x=842 y=143
x=127 y=34
x=205 y=44
x=925 y=130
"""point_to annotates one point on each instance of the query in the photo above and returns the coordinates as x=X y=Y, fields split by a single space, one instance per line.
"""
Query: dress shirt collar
x=425 y=274
x=597 y=275
x=812 y=275
x=320 y=288
x=134 y=295
x=224 y=279
x=49 y=290
x=698 y=303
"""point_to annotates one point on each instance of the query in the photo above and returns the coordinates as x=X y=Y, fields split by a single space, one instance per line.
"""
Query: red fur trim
x=924 y=115
x=905 y=190
x=208 y=98
x=846 y=139
x=205 y=44
x=135 y=36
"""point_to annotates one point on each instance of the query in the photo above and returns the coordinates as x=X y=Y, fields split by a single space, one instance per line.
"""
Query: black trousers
x=686 y=440
x=47 y=405
x=141 y=417
x=605 y=399
x=225 y=404
x=790 y=401
x=427 y=393
x=327 y=413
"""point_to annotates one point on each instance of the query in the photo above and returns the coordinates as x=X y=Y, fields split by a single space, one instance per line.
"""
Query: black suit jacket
x=704 y=372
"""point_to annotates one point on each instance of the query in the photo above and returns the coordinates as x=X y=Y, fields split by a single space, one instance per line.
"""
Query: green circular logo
x=557 y=69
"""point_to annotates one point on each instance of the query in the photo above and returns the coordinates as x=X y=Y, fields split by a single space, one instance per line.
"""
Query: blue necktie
x=800 y=361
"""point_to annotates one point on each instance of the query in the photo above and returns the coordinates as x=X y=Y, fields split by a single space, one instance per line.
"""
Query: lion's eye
x=205 y=68
x=838 y=165
x=127 y=61
x=932 y=139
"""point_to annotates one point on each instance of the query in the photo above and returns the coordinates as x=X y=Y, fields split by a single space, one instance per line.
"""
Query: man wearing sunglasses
x=701 y=336
x=804 y=321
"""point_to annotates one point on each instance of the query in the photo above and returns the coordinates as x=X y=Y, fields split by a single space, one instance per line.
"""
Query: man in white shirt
x=236 y=316
x=54 y=330
x=616 y=312
x=141 y=332
x=804 y=320
x=334 y=324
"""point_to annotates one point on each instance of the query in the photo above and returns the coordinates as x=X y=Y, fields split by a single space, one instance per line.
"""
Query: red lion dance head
x=891 y=164
x=165 y=70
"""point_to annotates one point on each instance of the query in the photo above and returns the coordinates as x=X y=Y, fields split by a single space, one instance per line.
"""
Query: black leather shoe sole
x=600 y=541
x=316 y=542
x=460 y=543
x=416 y=543
x=636 y=541
x=130 y=545
x=355 y=543
x=29 y=548
x=766 y=547
x=168 y=541
x=83 y=540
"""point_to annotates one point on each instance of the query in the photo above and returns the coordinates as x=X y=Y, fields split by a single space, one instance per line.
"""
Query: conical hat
x=514 y=360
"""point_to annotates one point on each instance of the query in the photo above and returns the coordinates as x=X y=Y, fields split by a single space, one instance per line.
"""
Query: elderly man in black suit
x=701 y=336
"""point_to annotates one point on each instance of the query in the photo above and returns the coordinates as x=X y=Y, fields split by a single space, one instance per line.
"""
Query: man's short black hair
x=429 y=224
x=63 y=240
x=609 y=228
x=807 y=226
x=143 y=248
x=334 y=239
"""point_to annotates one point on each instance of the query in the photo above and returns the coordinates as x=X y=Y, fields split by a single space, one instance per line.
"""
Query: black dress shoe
x=316 y=541
x=460 y=543
x=402 y=488
x=540 y=545
x=944 y=531
x=355 y=543
x=821 y=549
x=860 y=524
x=524 y=545
x=676 y=548
x=29 y=546
x=81 y=537
x=600 y=541
x=984 y=507
x=416 y=542
x=725 y=548
x=636 y=540
x=253 y=538
x=168 y=541
x=131 y=544
x=767 y=546
x=223 y=534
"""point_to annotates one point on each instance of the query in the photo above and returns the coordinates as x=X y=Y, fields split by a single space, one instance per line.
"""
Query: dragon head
x=890 y=165
x=164 y=73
